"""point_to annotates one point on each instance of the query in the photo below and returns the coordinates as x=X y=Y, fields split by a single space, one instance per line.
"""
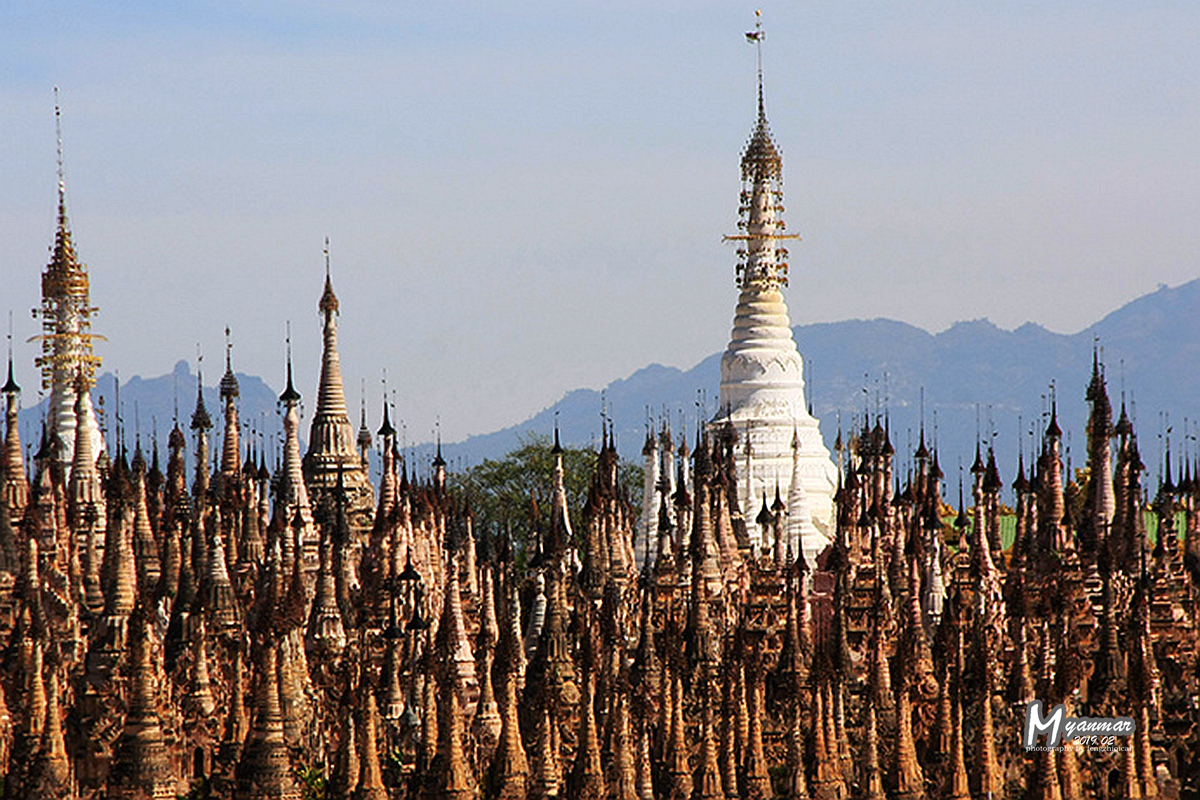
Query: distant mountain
x=1151 y=346
x=149 y=404
x=973 y=370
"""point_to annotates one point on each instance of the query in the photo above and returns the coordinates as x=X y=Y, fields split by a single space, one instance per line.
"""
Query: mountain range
x=979 y=383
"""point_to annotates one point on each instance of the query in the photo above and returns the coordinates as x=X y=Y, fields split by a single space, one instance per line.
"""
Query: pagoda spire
x=1100 y=503
x=678 y=777
x=762 y=373
x=66 y=338
x=487 y=724
x=264 y=769
x=86 y=507
x=457 y=667
x=14 y=483
x=231 y=466
x=201 y=424
x=370 y=771
x=508 y=777
x=332 y=442
x=141 y=766
x=292 y=497
x=52 y=765
x=707 y=780
x=325 y=635
x=364 y=433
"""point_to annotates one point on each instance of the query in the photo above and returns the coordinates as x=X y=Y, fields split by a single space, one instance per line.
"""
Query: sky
x=528 y=198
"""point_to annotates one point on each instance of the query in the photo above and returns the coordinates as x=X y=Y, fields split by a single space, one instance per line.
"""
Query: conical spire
x=85 y=494
x=707 y=779
x=452 y=639
x=587 y=780
x=454 y=777
x=265 y=770
x=145 y=544
x=546 y=780
x=14 y=485
x=488 y=723
x=237 y=722
x=51 y=770
x=292 y=494
x=872 y=775
x=141 y=768
x=119 y=578
x=370 y=773
x=201 y=425
x=760 y=159
x=756 y=783
x=364 y=440
x=231 y=465
x=332 y=444
x=201 y=421
x=10 y=385
x=509 y=773
x=217 y=596
x=909 y=778
x=66 y=315
x=956 y=787
x=346 y=766
x=762 y=373
x=679 y=774
x=325 y=636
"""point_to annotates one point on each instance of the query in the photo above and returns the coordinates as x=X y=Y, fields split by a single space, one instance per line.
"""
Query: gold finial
x=756 y=37
x=62 y=183
x=290 y=395
x=329 y=303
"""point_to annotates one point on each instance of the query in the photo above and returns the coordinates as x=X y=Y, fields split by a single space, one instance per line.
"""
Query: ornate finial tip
x=329 y=302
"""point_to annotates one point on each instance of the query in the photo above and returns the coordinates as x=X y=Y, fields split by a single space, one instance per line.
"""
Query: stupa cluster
x=244 y=632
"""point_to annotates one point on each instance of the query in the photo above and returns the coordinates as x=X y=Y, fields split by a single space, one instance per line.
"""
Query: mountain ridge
x=977 y=380
x=1008 y=375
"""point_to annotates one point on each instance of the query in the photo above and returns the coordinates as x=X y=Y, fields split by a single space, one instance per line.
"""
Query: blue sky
x=527 y=199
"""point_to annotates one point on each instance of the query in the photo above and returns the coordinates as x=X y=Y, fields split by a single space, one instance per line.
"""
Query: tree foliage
x=503 y=493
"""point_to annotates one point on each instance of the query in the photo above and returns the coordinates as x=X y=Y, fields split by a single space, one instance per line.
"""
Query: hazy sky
x=529 y=200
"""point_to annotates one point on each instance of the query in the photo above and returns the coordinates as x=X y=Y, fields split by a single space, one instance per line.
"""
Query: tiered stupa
x=67 y=358
x=333 y=454
x=762 y=373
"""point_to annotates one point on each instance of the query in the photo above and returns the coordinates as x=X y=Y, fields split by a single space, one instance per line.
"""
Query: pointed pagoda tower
x=66 y=314
x=332 y=444
x=762 y=373
x=14 y=483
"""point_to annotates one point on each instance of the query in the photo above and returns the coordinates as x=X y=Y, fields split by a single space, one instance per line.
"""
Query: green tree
x=502 y=492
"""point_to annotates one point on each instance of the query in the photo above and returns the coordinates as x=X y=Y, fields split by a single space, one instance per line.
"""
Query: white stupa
x=762 y=374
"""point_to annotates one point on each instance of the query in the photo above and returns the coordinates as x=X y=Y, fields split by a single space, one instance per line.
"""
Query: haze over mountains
x=1151 y=346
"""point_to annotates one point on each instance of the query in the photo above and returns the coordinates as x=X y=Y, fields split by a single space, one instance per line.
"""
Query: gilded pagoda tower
x=762 y=373
x=332 y=442
x=67 y=360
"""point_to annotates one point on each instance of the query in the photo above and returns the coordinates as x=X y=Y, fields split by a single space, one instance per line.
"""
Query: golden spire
x=13 y=482
x=66 y=337
x=761 y=158
x=332 y=444
x=140 y=766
